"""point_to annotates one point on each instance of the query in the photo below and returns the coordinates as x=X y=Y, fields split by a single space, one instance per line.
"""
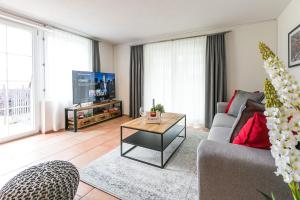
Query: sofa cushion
x=241 y=97
x=219 y=134
x=223 y=120
x=246 y=112
x=221 y=107
x=230 y=101
x=254 y=133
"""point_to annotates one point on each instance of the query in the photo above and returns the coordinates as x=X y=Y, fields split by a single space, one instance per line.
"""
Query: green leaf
x=273 y=198
x=267 y=197
x=294 y=186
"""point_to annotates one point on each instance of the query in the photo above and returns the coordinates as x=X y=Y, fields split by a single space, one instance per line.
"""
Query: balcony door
x=17 y=93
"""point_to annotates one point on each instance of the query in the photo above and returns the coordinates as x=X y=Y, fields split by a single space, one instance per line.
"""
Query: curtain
x=96 y=56
x=175 y=77
x=64 y=52
x=136 y=80
x=215 y=75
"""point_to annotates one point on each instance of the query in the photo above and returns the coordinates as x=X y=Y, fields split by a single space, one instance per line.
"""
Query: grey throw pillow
x=246 y=112
x=240 y=99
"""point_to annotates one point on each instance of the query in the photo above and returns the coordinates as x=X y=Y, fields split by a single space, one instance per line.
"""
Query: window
x=22 y=77
x=17 y=99
x=175 y=77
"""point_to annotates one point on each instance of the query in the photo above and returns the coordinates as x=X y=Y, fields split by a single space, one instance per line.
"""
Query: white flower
x=284 y=123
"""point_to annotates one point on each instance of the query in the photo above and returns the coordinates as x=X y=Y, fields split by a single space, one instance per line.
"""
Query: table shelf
x=153 y=141
x=157 y=137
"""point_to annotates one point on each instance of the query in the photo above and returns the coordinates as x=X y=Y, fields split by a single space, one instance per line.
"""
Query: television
x=93 y=86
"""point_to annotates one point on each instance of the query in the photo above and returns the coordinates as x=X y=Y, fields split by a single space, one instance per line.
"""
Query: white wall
x=244 y=64
x=122 y=65
x=287 y=21
x=106 y=57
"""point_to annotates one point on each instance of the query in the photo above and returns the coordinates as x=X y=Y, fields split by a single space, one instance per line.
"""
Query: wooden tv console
x=83 y=116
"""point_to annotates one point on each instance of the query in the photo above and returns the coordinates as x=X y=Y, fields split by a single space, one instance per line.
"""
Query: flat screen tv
x=93 y=87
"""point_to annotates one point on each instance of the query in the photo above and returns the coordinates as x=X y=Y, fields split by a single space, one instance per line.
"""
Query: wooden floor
x=79 y=148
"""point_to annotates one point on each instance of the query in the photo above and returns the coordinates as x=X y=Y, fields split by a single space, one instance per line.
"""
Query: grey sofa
x=233 y=172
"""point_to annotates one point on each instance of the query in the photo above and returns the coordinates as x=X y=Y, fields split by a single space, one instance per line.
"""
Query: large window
x=175 y=76
x=24 y=82
x=16 y=80
x=64 y=52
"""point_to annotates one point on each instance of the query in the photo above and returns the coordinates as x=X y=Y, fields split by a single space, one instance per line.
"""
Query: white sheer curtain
x=174 y=75
x=64 y=52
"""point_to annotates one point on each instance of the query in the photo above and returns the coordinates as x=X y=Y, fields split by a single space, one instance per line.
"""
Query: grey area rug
x=130 y=180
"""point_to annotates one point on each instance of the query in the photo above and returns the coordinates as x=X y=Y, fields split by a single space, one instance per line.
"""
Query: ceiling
x=120 y=21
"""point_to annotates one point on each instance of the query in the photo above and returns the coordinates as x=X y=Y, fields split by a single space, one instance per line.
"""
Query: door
x=17 y=93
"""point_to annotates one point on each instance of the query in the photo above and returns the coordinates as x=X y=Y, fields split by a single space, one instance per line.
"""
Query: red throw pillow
x=230 y=102
x=254 y=133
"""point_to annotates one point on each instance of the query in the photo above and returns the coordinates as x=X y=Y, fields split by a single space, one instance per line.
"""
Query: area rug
x=130 y=180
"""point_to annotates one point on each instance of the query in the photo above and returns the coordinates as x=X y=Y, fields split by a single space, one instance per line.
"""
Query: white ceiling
x=122 y=21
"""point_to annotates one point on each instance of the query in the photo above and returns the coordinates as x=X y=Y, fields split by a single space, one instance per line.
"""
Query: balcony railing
x=15 y=106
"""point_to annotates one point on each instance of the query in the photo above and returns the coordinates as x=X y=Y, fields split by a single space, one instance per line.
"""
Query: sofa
x=228 y=171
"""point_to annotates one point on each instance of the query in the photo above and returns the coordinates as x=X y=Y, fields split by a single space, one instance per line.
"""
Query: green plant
x=267 y=197
x=159 y=108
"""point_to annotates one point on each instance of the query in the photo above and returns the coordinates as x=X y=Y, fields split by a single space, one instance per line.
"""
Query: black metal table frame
x=162 y=165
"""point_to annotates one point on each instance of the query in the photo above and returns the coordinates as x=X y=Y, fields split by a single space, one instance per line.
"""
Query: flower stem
x=295 y=190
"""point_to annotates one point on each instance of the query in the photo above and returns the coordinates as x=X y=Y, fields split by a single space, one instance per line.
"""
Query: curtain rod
x=181 y=38
x=21 y=19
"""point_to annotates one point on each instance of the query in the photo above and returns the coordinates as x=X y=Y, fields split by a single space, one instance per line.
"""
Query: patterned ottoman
x=50 y=180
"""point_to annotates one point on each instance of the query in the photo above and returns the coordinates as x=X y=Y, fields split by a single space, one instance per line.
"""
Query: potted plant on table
x=154 y=116
x=160 y=108
x=156 y=108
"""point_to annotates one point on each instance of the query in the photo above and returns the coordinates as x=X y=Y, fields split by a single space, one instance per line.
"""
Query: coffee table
x=156 y=137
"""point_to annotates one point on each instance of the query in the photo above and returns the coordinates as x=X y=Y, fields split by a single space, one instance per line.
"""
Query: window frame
x=36 y=72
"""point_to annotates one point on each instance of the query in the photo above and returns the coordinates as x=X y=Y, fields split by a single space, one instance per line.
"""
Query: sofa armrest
x=221 y=107
x=232 y=172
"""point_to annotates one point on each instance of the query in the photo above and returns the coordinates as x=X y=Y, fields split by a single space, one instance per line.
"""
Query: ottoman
x=50 y=180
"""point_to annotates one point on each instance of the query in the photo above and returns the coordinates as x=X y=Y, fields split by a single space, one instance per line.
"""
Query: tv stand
x=77 y=117
x=76 y=105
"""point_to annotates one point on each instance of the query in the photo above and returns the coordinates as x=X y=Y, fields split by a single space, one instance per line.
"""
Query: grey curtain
x=136 y=80
x=215 y=83
x=96 y=56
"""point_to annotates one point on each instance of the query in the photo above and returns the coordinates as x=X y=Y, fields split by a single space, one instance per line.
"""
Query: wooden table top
x=167 y=121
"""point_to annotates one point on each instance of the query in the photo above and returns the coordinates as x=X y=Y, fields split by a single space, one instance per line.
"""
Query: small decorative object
x=294 y=47
x=154 y=116
x=283 y=117
x=152 y=111
x=80 y=115
x=160 y=108
x=88 y=114
x=142 y=112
